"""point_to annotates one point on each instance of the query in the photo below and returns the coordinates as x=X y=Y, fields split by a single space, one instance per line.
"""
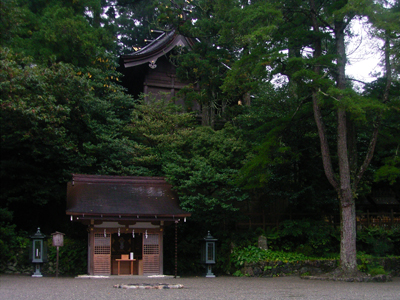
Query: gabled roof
x=157 y=48
x=122 y=198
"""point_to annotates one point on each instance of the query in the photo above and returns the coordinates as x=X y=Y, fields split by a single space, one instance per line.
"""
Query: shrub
x=13 y=244
x=309 y=237
x=253 y=254
x=367 y=264
x=72 y=257
x=379 y=241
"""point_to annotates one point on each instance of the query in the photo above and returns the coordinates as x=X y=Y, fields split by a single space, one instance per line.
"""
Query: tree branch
x=385 y=99
x=353 y=79
x=326 y=158
x=368 y=156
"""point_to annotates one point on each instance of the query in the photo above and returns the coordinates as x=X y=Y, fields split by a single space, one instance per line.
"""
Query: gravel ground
x=224 y=287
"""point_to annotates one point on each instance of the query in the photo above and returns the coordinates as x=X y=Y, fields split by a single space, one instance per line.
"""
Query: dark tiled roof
x=157 y=48
x=122 y=196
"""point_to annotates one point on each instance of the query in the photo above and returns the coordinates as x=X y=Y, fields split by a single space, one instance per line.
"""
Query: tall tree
x=62 y=109
x=200 y=163
x=205 y=66
x=265 y=45
x=129 y=22
x=54 y=31
x=350 y=172
x=56 y=121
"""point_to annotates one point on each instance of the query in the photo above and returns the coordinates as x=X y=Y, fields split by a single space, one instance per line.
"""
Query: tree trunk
x=352 y=145
x=348 y=259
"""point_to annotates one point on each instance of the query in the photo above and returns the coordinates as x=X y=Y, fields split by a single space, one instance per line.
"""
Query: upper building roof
x=157 y=48
x=122 y=197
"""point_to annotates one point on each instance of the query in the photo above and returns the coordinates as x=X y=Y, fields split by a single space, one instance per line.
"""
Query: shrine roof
x=122 y=196
x=157 y=48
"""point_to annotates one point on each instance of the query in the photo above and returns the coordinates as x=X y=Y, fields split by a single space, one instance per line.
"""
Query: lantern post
x=38 y=252
x=208 y=253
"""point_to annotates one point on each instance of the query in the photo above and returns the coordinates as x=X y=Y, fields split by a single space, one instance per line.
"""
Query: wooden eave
x=159 y=47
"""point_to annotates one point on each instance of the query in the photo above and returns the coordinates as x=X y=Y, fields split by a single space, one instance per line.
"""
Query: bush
x=309 y=237
x=72 y=257
x=13 y=244
x=228 y=242
x=316 y=238
x=366 y=263
x=252 y=254
x=379 y=241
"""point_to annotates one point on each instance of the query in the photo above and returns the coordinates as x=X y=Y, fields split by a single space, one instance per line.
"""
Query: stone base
x=377 y=278
x=156 y=286
x=92 y=276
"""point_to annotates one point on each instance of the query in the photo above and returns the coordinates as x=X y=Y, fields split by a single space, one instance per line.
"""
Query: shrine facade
x=125 y=218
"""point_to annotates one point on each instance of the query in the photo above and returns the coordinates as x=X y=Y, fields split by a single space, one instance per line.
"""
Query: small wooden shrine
x=150 y=71
x=125 y=217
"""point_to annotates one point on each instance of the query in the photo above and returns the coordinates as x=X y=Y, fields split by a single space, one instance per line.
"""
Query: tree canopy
x=303 y=43
x=295 y=130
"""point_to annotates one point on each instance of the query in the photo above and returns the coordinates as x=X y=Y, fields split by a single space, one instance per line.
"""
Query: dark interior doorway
x=124 y=244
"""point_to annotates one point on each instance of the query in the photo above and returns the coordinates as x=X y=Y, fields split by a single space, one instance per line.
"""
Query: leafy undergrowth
x=253 y=254
x=367 y=264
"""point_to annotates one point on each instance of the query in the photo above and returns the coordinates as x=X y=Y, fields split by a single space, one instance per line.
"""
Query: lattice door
x=102 y=254
x=151 y=254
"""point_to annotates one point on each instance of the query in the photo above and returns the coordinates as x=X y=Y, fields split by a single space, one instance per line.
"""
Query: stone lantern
x=208 y=253
x=38 y=252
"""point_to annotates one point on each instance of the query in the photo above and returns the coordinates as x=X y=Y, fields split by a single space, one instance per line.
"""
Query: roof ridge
x=116 y=178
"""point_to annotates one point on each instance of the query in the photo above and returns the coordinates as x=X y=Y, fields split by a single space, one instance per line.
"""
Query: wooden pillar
x=161 y=243
x=176 y=248
x=90 y=250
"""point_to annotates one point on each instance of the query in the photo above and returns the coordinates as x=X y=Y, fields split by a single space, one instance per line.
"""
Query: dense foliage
x=72 y=257
x=308 y=135
x=54 y=121
x=296 y=241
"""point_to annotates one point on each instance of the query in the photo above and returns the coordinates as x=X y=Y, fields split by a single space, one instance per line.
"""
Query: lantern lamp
x=38 y=252
x=208 y=253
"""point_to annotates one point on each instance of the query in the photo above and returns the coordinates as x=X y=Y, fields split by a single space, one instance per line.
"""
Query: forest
x=290 y=130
